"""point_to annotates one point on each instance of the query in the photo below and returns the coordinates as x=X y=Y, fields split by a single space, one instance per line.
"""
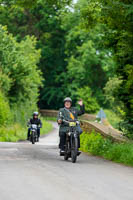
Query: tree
x=118 y=18
x=20 y=78
x=42 y=20
x=89 y=63
x=111 y=90
x=91 y=105
x=5 y=113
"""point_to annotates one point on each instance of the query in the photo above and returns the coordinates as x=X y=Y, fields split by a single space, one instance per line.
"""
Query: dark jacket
x=35 y=121
x=65 y=114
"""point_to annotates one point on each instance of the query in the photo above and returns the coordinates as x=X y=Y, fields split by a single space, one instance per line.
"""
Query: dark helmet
x=68 y=99
x=35 y=114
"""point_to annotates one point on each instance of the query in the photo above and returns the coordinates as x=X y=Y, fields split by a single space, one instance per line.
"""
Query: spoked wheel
x=74 y=150
x=66 y=154
x=32 y=138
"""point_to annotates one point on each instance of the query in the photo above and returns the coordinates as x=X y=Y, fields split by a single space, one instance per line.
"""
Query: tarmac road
x=37 y=172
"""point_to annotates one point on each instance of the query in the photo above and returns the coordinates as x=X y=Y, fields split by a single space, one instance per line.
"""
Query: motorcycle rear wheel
x=66 y=156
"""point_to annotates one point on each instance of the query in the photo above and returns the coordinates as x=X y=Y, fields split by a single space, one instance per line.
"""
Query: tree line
x=58 y=49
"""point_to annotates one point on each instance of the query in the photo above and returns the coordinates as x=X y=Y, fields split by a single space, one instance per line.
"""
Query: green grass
x=12 y=133
x=47 y=127
x=17 y=132
x=112 y=118
x=95 y=144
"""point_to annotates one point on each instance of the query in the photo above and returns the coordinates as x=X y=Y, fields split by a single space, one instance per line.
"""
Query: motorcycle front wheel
x=32 y=138
x=74 y=150
x=66 y=156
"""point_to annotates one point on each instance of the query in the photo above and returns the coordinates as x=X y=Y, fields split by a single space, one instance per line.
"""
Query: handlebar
x=29 y=125
x=70 y=121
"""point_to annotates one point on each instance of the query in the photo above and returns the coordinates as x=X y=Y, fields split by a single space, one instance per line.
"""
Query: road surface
x=37 y=172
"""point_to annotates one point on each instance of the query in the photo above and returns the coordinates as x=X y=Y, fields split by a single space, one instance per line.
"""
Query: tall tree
x=118 y=17
x=41 y=19
x=20 y=78
x=89 y=62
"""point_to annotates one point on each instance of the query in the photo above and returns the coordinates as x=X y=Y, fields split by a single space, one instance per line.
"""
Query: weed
x=95 y=144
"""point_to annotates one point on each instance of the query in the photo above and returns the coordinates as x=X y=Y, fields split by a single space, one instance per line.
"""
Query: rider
x=37 y=121
x=68 y=113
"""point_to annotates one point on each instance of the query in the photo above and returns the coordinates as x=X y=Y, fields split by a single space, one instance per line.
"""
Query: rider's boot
x=62 y=152
x=78 y=153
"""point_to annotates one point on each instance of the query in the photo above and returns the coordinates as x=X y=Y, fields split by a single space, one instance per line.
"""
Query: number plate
x=72 y=123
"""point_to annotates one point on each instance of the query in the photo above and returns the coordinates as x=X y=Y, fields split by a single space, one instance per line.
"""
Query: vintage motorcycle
x=71 y=146
x=33 y=133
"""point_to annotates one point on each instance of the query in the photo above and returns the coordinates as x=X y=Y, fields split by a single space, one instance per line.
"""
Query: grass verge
x=17 y=132
x=47 y=127
x=95 y=144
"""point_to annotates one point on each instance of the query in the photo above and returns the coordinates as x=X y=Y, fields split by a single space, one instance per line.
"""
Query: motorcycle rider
x=37 y=121
x=68 y=113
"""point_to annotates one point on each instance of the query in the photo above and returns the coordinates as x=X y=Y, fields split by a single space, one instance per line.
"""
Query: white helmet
x=35 y=114
x=68 y=99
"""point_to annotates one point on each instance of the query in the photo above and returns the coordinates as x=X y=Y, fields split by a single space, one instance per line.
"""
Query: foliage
x=12 y=133
x=23 y=77
x=71 y=57
x=91 y=105
x=126 y=127
x=18 y=132
x=42 y=20
x=46 y=128
x=5 y=113
x=113 y=118
x=19 y=75
x=89 y=63
x=111 y=89
x=23 y=111
x=95 y=144
x=117 y=16
x=89 y=44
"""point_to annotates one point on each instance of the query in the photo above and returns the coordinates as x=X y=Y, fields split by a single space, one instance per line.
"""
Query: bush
x=23 y=111
x=20 y=77
x=95 y=144
x=126 y=127
x=12 y=133
x=5 y=114
x=113 y=118
x=47 y=127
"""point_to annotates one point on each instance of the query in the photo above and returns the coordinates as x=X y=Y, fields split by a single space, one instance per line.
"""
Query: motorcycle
x=33 y=135
x=71 y=146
